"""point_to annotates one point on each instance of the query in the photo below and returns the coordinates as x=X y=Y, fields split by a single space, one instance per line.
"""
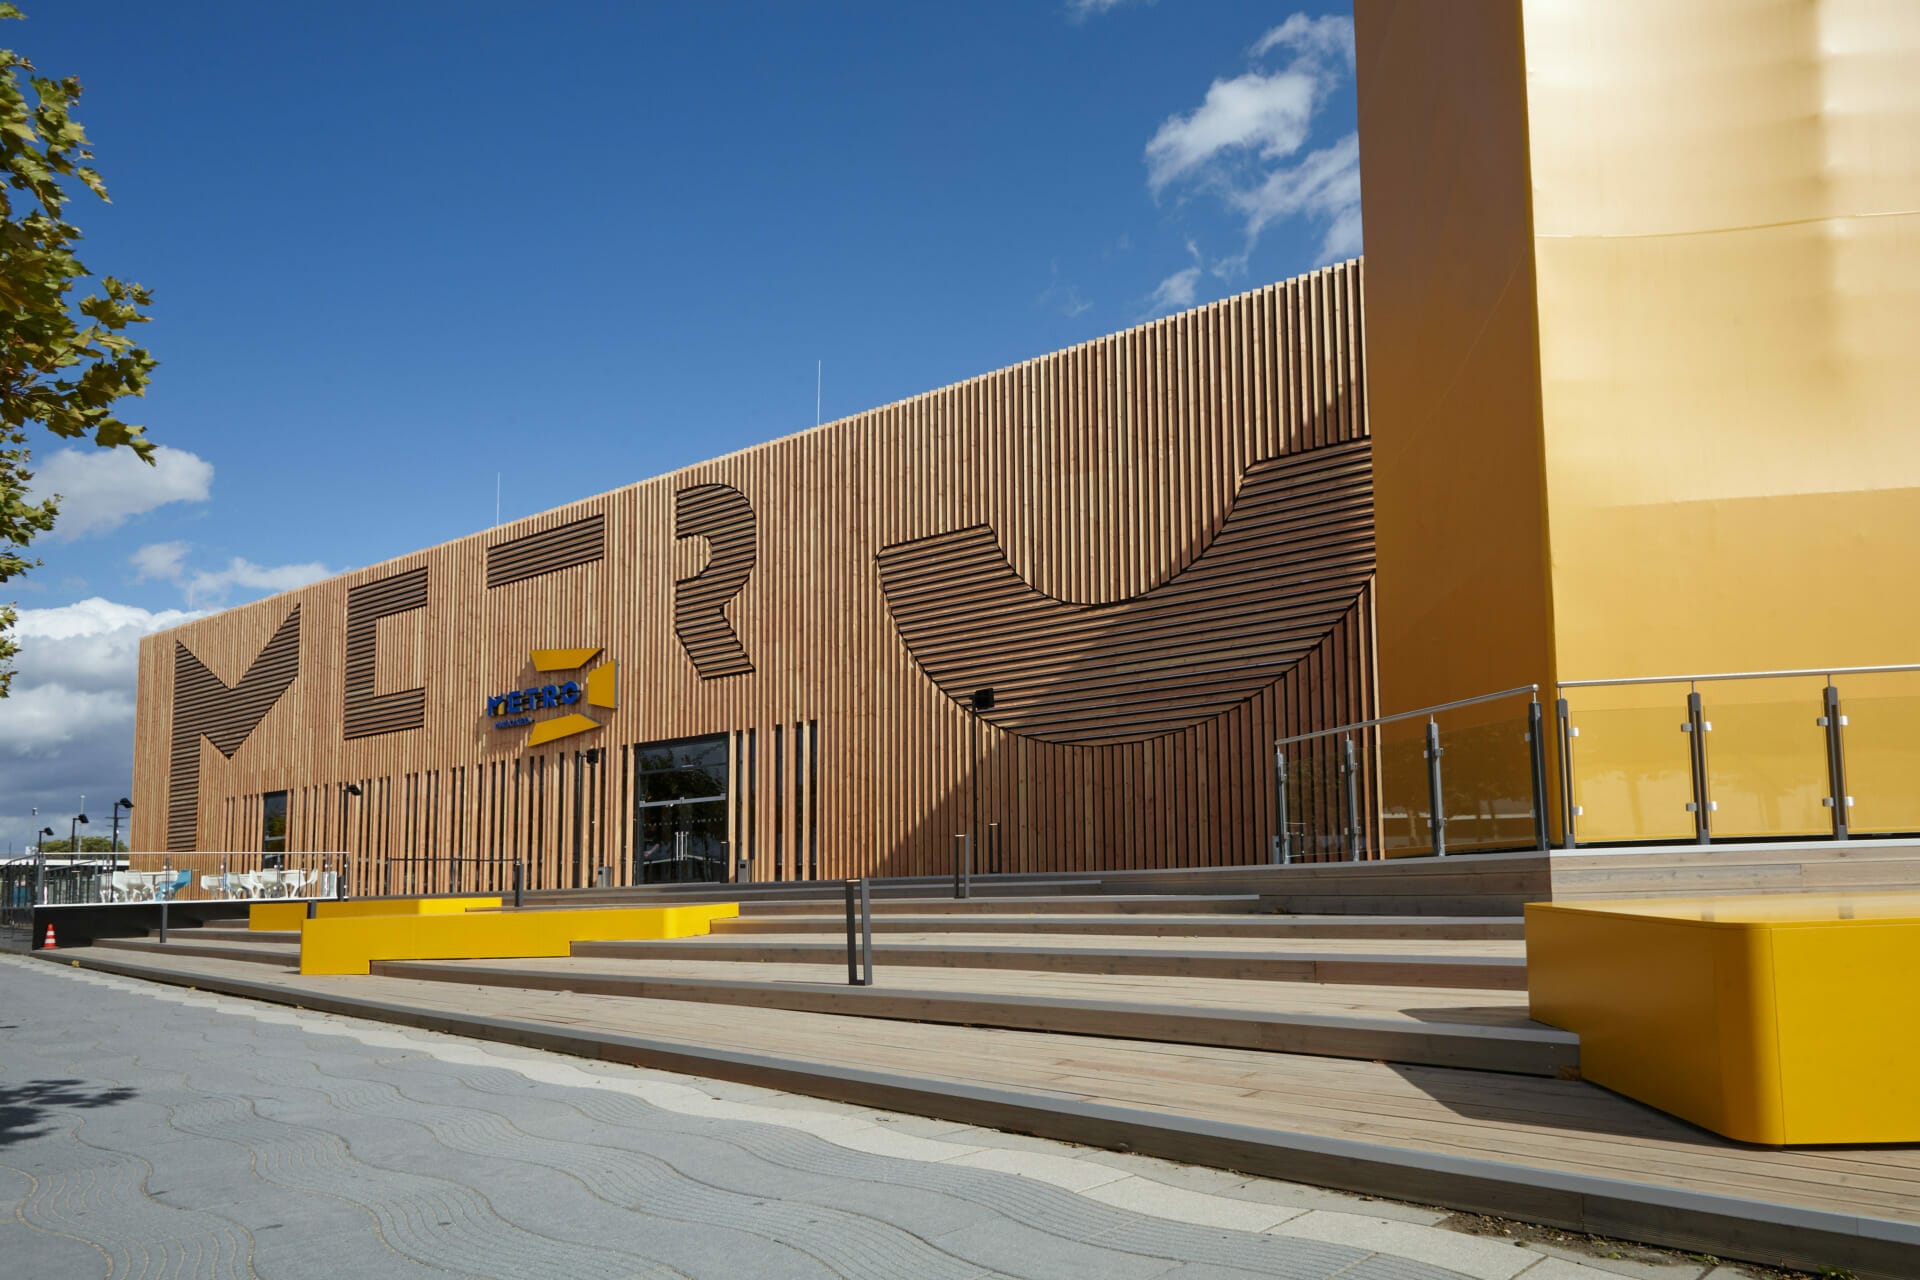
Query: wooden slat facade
x=747 y=596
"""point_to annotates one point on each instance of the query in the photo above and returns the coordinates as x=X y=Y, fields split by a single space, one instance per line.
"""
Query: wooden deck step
x=1102 y=904
x=1068 y=954
x=279 y=954
x=1559 y=1152
x=1245 y=1015
x=1186 y=926
x=230 y=933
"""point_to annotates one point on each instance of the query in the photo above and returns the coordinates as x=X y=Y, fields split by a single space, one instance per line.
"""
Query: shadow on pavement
x=22 y=1106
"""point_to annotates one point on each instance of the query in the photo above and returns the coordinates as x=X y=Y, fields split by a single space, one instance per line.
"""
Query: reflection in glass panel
x=680 y=799
x=1487 y=776
x=1405 y=808
x=1314 y=816
x=1632 y=776
x=1882 y=743
x=1766 y=757
x=273 y=837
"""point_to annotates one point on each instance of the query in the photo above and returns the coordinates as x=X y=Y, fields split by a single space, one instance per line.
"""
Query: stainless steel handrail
x=1829 y=672
x=1514 y=692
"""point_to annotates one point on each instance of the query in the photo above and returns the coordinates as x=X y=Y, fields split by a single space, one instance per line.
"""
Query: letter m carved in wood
x=204 y=705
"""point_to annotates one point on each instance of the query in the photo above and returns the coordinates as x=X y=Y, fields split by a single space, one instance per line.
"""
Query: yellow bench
x=292 y=914
x=350 y=945
x=1774 y=1019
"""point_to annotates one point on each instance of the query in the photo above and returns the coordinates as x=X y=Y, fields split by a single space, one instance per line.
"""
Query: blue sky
x=396 y=248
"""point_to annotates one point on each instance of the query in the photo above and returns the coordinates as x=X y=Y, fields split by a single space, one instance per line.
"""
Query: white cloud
x=167 y=562
x=69 y=724
x=1317 y=38
x=1062 y=295
x=163 y=560
x=1176 y=292
x=101 y=488
x=1242 y=144
x=1081 y=10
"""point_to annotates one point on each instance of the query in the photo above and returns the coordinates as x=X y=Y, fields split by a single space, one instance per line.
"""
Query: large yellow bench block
x=349 y=945
x=1774 y=1019
x=291 y=915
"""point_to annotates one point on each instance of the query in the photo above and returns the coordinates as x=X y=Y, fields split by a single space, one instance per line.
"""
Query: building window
x=273 y=827
x=680 y=810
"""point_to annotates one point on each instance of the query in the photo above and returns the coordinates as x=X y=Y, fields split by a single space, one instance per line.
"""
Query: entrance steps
x=906 y=918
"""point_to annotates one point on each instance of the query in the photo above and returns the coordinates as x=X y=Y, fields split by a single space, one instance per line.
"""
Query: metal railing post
x=962 y=865
x=519 y=884
x=1697 y=727
x=1834 y=723
x=860 y=940
x=1283 y=843
x=995 y=858
x=1537 y=760
x=1436 y=802
x=1568 y=810
x=313 y=908
x=1350 y=789
x=163 y=920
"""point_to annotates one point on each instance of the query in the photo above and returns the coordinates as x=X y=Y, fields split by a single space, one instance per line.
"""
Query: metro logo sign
x=602 y=689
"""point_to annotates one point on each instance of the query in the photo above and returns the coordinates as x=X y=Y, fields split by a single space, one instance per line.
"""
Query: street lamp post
x=40 y=863
x=347 y=791
x=113 y=845
x=73 y=838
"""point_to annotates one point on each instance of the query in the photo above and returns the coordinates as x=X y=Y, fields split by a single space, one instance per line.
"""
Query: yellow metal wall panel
x=1727 y=246
x=1451 y=365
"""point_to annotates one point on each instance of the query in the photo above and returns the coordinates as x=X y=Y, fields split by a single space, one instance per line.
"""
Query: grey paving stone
x=161 y=1131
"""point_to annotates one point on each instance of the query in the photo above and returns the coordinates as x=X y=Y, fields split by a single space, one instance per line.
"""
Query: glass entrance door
x=680 y=811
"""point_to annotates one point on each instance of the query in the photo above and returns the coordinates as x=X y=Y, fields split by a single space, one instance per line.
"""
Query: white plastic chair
x=212 y=885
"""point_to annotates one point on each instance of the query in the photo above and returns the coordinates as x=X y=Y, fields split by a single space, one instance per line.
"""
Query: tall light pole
x=40 y=863
x=73 y=835
x=114 y=844
x=347 y=791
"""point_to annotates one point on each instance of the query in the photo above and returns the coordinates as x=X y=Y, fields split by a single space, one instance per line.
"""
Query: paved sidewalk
x=153 y=1131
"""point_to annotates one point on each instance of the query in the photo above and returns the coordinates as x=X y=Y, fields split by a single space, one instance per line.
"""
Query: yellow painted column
x=1640 y=289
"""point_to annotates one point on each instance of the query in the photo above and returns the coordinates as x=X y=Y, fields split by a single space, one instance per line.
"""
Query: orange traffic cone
x=48 y=944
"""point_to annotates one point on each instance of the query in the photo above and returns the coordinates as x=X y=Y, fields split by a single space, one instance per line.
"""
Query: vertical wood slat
x=1103 y=470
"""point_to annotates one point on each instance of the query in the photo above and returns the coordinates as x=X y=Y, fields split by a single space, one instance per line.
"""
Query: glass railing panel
x=1631 y=768
x=1487 y=776
x=1882 y=742
x=1405 y=828
x=1766 y=757
x=1315 y=824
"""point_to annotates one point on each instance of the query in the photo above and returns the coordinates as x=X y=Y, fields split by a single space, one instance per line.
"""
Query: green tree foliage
x=65 y=360
x=88 y=844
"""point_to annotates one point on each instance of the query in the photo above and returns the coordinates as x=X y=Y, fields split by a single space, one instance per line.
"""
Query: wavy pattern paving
x=390 y=1153
x=204 y=705
x=1288 y=562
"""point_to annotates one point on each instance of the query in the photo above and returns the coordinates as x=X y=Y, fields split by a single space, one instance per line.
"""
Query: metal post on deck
x=1537 y=759
x=1283 y=843
x=994 y=860
x=1436 y=803
x=962 y=865
x=519 y=884
x=1834 y=722
x=859 y=934
x=1350 y=790
x=1568 y=810
x=1697 y=727
x=163 y=920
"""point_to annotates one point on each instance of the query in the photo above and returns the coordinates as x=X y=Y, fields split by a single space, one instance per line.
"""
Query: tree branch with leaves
x=66 y=361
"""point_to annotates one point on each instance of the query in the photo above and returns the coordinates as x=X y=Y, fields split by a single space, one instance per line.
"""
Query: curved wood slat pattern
x=722 y=515
x=1290 y=560
x=367 y=712
x=1103 y=472
x=204 y=705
